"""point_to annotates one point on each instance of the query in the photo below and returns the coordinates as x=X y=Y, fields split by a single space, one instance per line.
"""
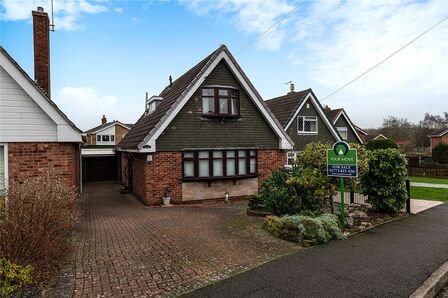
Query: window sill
x=192 y=179
x=307 y=133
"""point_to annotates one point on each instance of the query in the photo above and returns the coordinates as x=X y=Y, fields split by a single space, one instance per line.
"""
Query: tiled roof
x=283 y=107
x=38 y=88
x=439 y=132
x=96 y=128
x=332 y=114
x=146 y=123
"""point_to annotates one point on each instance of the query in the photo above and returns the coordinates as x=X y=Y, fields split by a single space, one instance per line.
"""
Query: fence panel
x=428 y=172
x=357 y=198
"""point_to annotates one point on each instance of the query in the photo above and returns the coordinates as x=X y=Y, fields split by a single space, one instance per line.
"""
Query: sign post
x=342 y=162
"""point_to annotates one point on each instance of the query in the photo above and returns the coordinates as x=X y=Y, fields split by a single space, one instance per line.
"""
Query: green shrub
x=440 y=153
x=13 y=276
x=381 y=144
x=303 y=229
x=255 y=202
x=384 y=182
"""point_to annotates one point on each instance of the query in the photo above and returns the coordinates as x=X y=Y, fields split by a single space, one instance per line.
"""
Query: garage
x=99 y=164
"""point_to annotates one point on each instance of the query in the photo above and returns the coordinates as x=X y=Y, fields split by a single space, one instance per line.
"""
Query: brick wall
x=33 y=159
x=120 y=131
x=165 y=173
x=91 y=139
x=437 y=140
x=268 y=161
x=123 y=167
x=139 y=177
x=151 y=180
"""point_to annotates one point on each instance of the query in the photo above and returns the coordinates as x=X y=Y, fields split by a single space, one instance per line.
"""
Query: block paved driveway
x=124 y=248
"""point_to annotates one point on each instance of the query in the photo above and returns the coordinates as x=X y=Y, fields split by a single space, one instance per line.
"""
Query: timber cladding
x=189 y=129
x=301 y=140
x=35 y=159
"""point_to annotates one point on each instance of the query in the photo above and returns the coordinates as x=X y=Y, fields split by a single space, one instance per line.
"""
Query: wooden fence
x=428 y=172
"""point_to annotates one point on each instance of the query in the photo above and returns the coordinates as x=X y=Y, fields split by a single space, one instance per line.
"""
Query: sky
x=106 y=54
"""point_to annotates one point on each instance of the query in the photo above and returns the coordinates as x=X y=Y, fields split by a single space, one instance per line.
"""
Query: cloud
x=118 y=9
x=249 y=16
x=342 y=40
x=137 y=20
x=85 y=106
x=66 y=12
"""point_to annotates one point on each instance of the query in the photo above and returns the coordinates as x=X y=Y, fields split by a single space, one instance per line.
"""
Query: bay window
x=220 y=102
x=209 y=164
x=307 y=124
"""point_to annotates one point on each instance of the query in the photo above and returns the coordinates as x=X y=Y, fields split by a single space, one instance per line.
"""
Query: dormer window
x=220 y=102
x=152 y=103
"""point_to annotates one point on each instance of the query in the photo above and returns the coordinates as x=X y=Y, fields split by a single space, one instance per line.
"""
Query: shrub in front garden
x=440 y=153
x=381 y=144
x=255 y=202
x=303 y=229
x=41 y=211
x=384 y=182
x=13 y=276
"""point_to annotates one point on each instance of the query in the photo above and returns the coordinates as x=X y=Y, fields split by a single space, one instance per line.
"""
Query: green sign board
x=342 y=161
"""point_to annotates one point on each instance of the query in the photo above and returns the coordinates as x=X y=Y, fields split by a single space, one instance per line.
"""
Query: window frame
x=249 y=154
x=105 y=136
x=217 y=99
x=112 y=138
x=339 y=132
x=315 y=119
x=98 y=138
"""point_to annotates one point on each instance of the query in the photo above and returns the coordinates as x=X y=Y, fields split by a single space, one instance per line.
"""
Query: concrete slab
x=433 y=185
x=422 y=205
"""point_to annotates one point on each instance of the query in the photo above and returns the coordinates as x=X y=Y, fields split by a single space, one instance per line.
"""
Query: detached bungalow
x=207 y=134
x=35 y=136
x=438 y=136
x=303 y=118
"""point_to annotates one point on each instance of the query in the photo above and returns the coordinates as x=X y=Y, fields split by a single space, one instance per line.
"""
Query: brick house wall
x=437 y=140
x=34 y=159
x=151 y=180
x=120 y=132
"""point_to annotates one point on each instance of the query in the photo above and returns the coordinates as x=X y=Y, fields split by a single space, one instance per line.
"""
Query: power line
x=385 y=59
x=270 y=27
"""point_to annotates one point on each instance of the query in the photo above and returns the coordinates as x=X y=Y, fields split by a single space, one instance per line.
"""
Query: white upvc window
x=307 y=124
x=343 y=132
x=291 y=157
x=3 y=168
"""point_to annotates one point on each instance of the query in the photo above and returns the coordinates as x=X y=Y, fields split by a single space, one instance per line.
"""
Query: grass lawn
x=429 y=180
x=429 y=193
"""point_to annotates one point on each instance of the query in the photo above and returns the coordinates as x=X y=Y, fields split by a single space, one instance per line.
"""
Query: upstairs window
x=112 y=138
x=220 y=102
x=343 y=132
x=307 y=124
x=98 y=138
x=105 y=138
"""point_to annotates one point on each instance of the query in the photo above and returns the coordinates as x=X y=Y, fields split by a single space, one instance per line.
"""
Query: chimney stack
x=291 y=87
x=41 y=32
x=103 y=120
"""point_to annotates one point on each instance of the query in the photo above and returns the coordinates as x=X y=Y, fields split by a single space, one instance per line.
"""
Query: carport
x=99 y=163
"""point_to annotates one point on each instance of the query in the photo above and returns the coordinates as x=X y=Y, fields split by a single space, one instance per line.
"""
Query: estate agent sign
x=342 y=162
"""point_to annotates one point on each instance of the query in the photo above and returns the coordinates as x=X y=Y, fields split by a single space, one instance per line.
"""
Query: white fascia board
x=67 y=134
x=150 y=140
x=321 y=114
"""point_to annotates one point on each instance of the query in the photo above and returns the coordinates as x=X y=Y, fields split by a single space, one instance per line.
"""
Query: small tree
x=440 y=153
x=381 y=144
x=384 y=182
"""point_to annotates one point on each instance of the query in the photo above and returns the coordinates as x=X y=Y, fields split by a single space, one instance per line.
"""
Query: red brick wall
x=123 y=167
x=164 y=173
x=437 y=140
x=91 y=139
x=139 y=176
x=120 y=131
x=41 y=50
x=33 y=159
x=151 y=180
x=268 y=161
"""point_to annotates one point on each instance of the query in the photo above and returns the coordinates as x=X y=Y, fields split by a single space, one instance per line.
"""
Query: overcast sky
x=106 y=54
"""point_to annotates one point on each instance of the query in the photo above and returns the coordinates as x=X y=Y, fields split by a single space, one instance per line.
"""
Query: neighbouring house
x=100 y=160
x=362 y=133
x=207 y=135
x=376 y=137
x=35 y=135
x=438 y=136
x=303 y=118
x=344 y=126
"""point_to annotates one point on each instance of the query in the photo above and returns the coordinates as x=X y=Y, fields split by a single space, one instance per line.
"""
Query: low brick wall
x=34 y=159
x=217 y=189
